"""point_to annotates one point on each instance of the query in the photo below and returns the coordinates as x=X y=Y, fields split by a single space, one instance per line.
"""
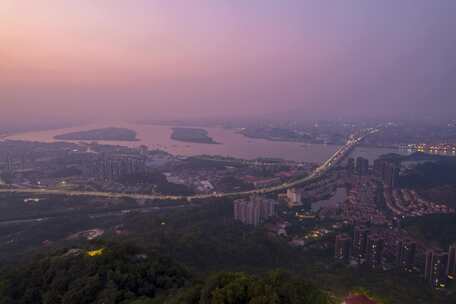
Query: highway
x=335 y=159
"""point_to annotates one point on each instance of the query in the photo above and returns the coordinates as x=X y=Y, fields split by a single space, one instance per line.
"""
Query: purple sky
x=162 y=58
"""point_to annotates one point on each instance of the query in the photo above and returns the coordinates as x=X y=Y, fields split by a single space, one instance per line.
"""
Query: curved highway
x=335 y=159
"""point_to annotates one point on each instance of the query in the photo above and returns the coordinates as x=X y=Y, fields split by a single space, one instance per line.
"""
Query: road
x=335 y=159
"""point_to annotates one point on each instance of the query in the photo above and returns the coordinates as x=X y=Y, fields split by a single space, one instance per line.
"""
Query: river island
x=193 y=135
x=108 y=134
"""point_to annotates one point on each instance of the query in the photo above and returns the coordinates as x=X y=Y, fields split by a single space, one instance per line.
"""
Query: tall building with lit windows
x=435 y=268
x=360 y=242
x=405 y=254
x=343 y=248
x=451 y=265
x=387 y=171
x=374 y=251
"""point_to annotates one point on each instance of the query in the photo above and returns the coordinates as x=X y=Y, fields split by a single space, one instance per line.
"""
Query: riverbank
x=231 y=144
x=4 y=135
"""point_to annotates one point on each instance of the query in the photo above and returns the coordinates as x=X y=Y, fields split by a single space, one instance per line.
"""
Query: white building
x=255 y=210
x=294 y=197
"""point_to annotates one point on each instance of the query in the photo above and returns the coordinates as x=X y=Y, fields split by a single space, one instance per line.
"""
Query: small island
x=111 y=134
x=194 y=135
x=277 y=134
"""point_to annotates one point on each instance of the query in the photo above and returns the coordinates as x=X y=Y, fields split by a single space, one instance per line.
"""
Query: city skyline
x=68 y=60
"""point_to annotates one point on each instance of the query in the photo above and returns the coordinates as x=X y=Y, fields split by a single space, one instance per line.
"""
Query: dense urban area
x=344 y=225
x=227 y=152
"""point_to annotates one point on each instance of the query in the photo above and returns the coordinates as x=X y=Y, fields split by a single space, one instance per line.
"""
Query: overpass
x=324 y=168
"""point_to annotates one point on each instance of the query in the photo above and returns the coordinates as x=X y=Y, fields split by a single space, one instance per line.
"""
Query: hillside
x=124 y=274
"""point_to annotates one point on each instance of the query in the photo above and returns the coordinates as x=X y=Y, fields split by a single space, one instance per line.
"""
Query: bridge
x=323 y=169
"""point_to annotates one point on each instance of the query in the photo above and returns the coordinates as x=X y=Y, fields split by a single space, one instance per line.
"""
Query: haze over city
x=85 y=60
x=227 y=151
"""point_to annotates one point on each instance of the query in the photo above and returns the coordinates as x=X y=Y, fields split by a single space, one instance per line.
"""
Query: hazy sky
x=160 y=58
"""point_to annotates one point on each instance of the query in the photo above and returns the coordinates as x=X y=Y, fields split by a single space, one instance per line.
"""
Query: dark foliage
x=67 y=172
x=237 y=288
x=440 y=228
x=208 y=239
x=193 y=135
x=121 y=273
x=158 y=180
x=431 y=174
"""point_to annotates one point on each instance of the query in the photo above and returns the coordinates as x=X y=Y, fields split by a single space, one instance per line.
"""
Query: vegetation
x=277 y=134
x=230 y=183
x=66 y=172
x=123 y=274
x=193 y=135
x=207 y=239
x=197 y=163
x=435 y=180
x=156 y=181
x=119 y=275
x=439 y=228
x=431 y=174
x=224 y=262
x=273 y=288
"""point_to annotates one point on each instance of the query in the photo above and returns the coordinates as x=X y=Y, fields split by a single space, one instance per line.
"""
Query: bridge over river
x=324 y=168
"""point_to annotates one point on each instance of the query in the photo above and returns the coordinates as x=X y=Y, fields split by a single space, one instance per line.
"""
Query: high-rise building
x=117 y=166
x=343 y=248
x=374 y=251
x=451 y=265
x=379 y=168
x=435 y=268
x=255 y=210
x=391 y=175
x=360 y=241
x=387 y=171
x=405 y=254
x=294 y=197
x=247 y=212
x=362 y=166
x=9 y=163
x=268 y=207
x=351 y=165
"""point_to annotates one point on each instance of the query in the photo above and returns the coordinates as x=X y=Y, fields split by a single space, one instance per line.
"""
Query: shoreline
x=95 y=140
x=196 y=142
x=230 y=143
x=118 y=134
x=287 y=140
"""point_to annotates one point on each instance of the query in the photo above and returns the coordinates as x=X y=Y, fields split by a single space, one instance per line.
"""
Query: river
x=231 y=144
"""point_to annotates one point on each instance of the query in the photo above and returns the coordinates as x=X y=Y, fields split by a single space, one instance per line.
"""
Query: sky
x=153 y=59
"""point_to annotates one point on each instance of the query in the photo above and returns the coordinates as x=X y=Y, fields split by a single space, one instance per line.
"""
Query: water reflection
x=231 y=144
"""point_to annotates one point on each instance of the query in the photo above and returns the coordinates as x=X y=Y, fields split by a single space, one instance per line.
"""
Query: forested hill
x=124 y=274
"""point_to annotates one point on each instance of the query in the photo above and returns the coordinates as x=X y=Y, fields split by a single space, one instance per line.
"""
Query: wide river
x=231 y=144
